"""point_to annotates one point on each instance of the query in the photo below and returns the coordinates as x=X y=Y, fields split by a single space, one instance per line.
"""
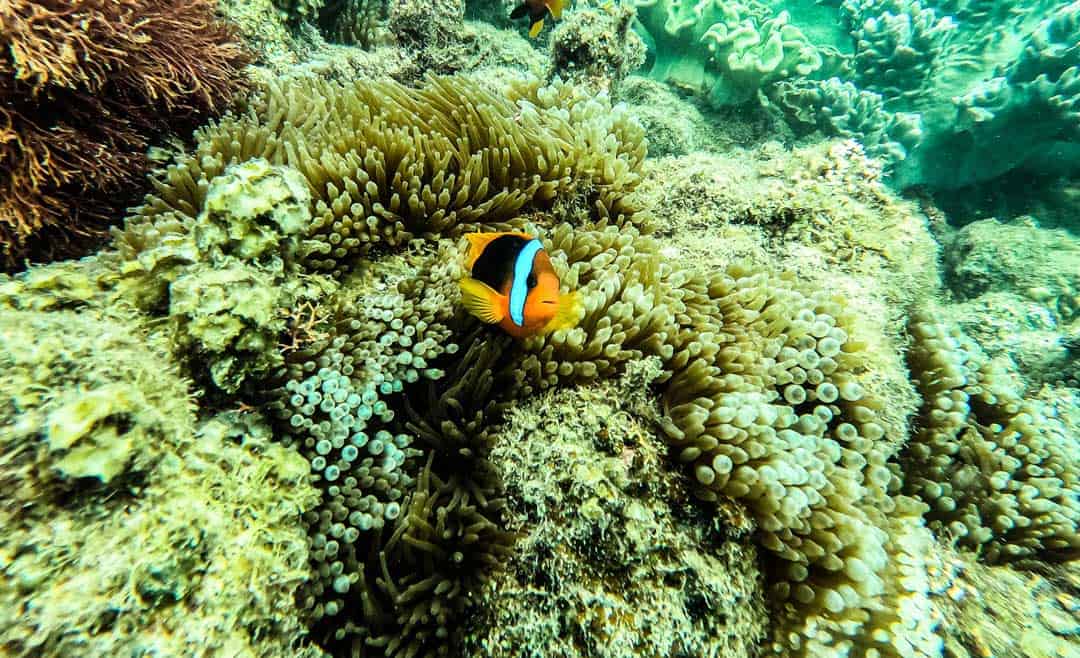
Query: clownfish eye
x=530 y=281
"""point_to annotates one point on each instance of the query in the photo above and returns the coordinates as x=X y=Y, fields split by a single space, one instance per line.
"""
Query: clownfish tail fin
x=481 y=300
x=571 y=308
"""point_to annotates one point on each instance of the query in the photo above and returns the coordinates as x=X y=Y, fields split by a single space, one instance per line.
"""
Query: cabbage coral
x=726 y=52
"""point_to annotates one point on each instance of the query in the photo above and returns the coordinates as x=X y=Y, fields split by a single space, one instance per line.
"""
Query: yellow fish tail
x=571 y=310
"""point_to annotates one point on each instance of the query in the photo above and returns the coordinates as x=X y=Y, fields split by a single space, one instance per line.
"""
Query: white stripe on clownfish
x=519 y=290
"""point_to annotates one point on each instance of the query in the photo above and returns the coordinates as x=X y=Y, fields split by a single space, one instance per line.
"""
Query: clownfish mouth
x=550 y=303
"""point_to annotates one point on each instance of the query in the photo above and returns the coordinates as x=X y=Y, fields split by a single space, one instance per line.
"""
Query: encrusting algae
x=280 y=373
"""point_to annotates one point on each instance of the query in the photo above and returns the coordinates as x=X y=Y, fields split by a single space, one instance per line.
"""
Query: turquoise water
x=782 y=357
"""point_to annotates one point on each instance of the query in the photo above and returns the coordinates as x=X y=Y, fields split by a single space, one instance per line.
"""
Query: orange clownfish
x=513 y=285
x=536 y=10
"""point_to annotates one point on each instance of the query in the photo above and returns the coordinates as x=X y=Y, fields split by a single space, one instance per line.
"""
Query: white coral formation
x=751 y=53
x=998 y=471
x=725 y=51
x=897 y=44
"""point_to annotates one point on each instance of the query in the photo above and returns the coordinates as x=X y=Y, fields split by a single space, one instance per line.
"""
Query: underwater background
x=821 y=396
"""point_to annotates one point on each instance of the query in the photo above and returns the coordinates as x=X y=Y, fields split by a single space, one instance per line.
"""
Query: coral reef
x=428 y=29
x=611 y=562
x=896 y=45
x=83 y=91
x=820 y=210
x=131 y=526
x=339 y=401
x=401 y=604
x=596 y=49
x=224 y=279
x=1039 y=81
x=1016 y=287
x=994 y=105
x=300 y=10
x=496 y=12
x=96 y=422
x=396 y=467
x=267 y=33
x=998 y=471
x=950 y=94
x=1019 y=257
x=408 y=523
x=841 y=109
x=998 y=611
x=340 y=208
x=672 y=127
x=373 y=181
x=410 y=39
x=725 y=52
x=361 y=23
x=777 y=420
x=1022 y=333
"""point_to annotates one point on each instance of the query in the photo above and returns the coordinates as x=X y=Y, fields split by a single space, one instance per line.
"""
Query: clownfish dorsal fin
x=555 y=7
x=568 y=315
x=482 y=301
x=479 y=241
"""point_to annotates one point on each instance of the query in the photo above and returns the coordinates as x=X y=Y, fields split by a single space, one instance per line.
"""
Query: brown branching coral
x=85 y=87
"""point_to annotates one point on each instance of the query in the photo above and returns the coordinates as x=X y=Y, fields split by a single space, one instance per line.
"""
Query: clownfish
x=536 y=10
x=513 y=285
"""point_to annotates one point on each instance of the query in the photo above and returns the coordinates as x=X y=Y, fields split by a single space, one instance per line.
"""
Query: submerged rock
x=1018 y=291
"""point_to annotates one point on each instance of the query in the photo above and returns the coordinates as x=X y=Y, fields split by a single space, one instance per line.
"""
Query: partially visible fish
x=513 y=285
x=536 y=10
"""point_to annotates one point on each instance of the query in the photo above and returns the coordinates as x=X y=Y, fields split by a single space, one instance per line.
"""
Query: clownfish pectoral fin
x=569 y=314
x=479 y=241
x=482 y=301
x=555 y=7
x=519 y=11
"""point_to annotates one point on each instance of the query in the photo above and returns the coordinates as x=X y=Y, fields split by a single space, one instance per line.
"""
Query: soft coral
x=85 y=87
